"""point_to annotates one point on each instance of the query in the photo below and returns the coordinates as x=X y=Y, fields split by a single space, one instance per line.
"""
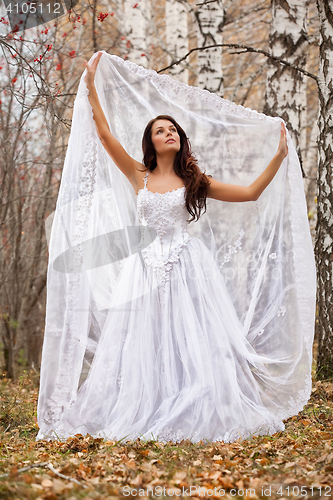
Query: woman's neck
x=164 y=166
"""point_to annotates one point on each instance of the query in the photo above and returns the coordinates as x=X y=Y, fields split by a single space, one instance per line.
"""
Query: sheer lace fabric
x=167 y=214
x=204 y=332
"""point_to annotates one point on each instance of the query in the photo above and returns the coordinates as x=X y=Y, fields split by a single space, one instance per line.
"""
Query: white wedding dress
x=203 y=330
x=176 y=364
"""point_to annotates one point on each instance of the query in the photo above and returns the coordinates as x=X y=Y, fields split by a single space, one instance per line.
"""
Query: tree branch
x=49 y=466
x=244 y=49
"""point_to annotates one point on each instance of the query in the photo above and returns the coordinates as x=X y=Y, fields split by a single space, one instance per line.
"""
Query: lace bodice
x=167 y=214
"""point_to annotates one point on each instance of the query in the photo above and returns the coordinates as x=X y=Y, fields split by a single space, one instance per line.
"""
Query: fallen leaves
x=299 y=457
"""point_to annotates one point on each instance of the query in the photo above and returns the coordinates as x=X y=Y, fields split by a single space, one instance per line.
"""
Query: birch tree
x=286 y=87
x=210 y=17
x=324 y=241
x=177 y=36
x=135 y=23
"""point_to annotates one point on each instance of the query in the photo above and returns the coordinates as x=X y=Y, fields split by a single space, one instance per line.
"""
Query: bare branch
x=244 y=49
x=205 y=3
x=49 y=466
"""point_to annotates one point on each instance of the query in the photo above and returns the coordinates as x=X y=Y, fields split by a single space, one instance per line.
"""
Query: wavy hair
x=185 y=166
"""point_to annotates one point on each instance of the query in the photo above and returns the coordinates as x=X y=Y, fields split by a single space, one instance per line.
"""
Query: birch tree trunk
x=286 y=87
x=136 y=17
x=177 y=36
x=324 y=242
x=210 y=18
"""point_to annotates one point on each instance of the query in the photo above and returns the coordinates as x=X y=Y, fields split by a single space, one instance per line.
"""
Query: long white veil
x=263 y=249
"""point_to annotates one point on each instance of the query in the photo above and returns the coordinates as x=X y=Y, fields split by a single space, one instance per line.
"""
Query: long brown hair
x=185 y=166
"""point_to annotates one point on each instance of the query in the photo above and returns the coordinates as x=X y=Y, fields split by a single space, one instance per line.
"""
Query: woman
x=169 y=357
x=163 y=135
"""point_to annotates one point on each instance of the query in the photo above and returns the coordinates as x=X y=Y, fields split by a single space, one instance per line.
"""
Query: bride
x=174 y=363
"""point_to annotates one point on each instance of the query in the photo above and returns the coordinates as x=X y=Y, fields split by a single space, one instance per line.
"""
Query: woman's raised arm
x=230 y=192
x=122 y=159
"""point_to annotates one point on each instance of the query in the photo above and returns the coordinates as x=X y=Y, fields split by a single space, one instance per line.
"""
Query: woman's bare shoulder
x=139 y=173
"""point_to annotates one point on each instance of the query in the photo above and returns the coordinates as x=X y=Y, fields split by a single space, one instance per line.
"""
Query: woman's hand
x=91 y=69
x=230 y=192
x=283 y=147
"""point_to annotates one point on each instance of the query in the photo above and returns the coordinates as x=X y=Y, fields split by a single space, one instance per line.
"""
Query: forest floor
x=295 y=463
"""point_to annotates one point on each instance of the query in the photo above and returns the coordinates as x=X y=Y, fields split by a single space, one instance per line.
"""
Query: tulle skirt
x=173 y=362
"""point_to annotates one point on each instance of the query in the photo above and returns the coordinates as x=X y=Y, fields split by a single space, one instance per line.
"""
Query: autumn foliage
x=296 y=463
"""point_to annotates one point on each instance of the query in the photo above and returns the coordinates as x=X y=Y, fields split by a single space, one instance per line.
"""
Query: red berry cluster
x=102 y=16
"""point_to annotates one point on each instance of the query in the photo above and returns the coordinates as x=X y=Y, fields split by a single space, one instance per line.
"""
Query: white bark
x=136 y=15
x=286 y=88
x=210 y=20
x=177 y=36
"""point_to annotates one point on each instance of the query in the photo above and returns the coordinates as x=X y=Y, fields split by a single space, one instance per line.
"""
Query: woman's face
x=165 y=137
